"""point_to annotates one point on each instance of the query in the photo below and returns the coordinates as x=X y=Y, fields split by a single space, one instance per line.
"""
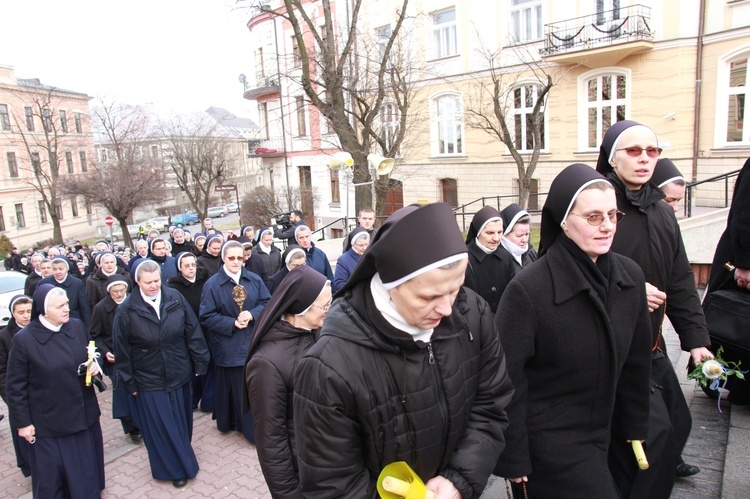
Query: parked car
x=232 y=207
x=117 y=232
x=181 y=220
x=11 y=284
x=158 y=223
x=217 y=211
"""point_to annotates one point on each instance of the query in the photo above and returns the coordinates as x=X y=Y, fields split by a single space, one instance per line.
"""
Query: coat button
x=494 y=288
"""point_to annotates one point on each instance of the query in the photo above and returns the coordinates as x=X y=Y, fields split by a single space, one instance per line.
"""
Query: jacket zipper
x=440 y=393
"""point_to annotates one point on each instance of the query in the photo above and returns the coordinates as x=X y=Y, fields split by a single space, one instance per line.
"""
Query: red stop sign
x=109 y=220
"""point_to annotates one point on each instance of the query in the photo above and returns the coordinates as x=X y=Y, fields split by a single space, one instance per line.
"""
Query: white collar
x=235 y=277
x=49 y=325
x=515 y=251
x=155 y=303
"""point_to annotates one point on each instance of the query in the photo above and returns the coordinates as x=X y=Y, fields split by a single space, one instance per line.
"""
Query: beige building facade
x=36 y=118
x=678 y=66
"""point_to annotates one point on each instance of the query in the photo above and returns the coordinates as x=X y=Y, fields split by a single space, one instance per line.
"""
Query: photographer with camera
x=285 y=224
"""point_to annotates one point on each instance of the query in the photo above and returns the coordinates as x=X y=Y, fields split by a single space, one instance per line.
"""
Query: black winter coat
x=270 y=387
x=576 y=364
x=650 y=235
x=734 y=244
x=30 y=286
x=366 y=397
x=96 y=285
x=43 y=386
x=100 y=330
x=158 y=354
x=6 y=336
x=271 y=261
x=211 y=264
x=488 y=274
x=190 y=290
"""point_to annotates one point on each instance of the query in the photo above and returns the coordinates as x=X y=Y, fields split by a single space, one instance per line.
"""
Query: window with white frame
x=301 y=120
x=739 y=79
x=389 y=124
x=524 y=100
x=526 y=19
x=450 y=127
x=445 y=40
x=383 y=35
x=606 y=104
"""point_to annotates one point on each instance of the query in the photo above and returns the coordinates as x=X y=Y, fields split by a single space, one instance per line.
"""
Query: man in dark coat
x=734 y=249
x=295 y=217
x=159 y=254
x=408 y=367
x=649 y=235
x=316 y=258
x=179 y=243
x=230 y=328
x=74 y=288
x=189 y=283
x=35 y=275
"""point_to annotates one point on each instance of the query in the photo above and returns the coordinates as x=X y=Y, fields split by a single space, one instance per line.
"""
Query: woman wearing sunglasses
x=575 y=331
x=649 y=235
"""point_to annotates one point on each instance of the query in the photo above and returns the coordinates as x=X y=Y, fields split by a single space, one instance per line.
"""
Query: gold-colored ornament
x=239 y=295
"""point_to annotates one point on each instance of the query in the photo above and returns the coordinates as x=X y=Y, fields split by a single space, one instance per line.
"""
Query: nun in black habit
x=285 y=330
x=650 y=235
x=516 y=234
x=490 y=268
x=408 y=367
x=50 y=404
x=574 y=327
x=293 y=256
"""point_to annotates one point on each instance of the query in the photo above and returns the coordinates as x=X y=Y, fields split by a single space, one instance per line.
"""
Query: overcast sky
x=177 y=55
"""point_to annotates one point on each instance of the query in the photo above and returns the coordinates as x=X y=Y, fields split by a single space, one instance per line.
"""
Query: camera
x=283 y=220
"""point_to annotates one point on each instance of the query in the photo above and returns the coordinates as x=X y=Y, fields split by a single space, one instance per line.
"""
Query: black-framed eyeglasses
x=597 y=219
x=635 y=151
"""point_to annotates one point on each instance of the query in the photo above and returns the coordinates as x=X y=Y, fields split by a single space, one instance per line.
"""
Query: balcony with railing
x=265 y=85
x=271 y=147
x=600 y=39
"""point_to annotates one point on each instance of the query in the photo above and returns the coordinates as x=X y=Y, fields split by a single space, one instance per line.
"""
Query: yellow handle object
x=640 y=455
x=398 y=481
x=91 y=350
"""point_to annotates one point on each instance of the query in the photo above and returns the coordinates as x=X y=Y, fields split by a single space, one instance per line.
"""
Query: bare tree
x=199 y=155
x=128 y=179
x=491 y=104
x=349 y=77
x=43 y=150
x=262 y=203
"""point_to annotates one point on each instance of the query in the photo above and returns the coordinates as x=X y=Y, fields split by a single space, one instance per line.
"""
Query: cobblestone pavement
x=228 y=463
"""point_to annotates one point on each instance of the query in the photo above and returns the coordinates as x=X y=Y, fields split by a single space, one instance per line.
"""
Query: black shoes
x=684 y=469
x=179 y=483
x=136 y=437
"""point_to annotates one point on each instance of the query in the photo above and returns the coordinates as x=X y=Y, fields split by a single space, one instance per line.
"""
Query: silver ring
x=32 y=440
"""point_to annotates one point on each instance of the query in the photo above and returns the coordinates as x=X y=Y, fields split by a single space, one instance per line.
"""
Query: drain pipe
x=697 y=104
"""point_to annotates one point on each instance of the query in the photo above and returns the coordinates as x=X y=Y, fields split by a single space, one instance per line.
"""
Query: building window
x=607 y=10
x=36 y=164
x=20 y=219
x=89 y=207
x=606 y=104
x=524 y=100
x=63 y=121
x=449 y=125
x=78 y=122
x=445 y=42
x=47 y=119
x=335 y=193
x=104 y=156
x=84 y=167
x=739 y=79
x=29 y=113
x=296 y=57
x=324 y=35
x=263 y=115
x=58 y=209
x=4 y=117
x=390 y=125
x=74 y=206
x=155 y=152
x=449 y=191
x=69 y=161
x=42 y=212
x=12 y=165
x=2 y=220
x=301 y=122
x=526 y=16
x=384 y=35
